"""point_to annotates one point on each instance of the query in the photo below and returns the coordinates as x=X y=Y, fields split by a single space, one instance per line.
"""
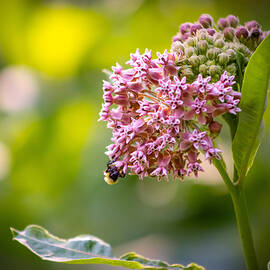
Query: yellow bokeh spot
x=75 y=122
x=59 y=37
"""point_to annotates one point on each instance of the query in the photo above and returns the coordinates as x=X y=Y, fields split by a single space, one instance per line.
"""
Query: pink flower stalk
x=161 y=124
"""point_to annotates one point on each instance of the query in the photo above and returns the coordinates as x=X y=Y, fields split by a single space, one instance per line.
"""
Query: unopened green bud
x=231 y=69
x=231 y=54
x=202 y=34
x=220 y=69
x=196 y=51
x=203 y=59
x=230 y=45
x=215 y=70
x=210 y=39
x=189 y=51
x=183 y=61
x=218 y=51
x=244 y=50
x=187 y=72
x=211 y=53
x=219 y=43
x=210 y=63
x=190 y=42
x=218 y=36
x=202 y=45
x=194 y=60
x=177 y=46
x=203 y=69
x=223 y=59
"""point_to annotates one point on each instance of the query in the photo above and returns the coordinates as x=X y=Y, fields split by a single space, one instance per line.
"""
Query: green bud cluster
x=209 y=55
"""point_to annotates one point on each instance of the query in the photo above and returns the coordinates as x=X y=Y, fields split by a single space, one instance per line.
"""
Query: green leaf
x=254 y=98
x=231 y=120
x=85 y=249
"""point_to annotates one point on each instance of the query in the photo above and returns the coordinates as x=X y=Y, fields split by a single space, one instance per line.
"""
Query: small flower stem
x=222 y=171
x=240 y=207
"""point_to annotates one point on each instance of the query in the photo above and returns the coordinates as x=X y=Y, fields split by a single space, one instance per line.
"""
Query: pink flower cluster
x=161 y=123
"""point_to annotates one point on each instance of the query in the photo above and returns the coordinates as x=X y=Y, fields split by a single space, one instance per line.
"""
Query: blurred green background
x=52 y=148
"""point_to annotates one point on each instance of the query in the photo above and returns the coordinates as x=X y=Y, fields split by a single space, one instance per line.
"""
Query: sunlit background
x=52 y=148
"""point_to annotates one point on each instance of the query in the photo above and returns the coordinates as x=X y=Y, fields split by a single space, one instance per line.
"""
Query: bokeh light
x=58 y=38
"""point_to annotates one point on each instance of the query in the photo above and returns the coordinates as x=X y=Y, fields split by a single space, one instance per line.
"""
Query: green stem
x=241 y=213
x=222 y=171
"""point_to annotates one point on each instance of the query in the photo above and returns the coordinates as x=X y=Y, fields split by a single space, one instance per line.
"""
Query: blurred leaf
x=85 y=249
x=254 y=92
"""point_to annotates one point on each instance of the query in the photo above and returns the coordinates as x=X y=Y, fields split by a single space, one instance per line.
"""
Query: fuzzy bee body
x=112 y=173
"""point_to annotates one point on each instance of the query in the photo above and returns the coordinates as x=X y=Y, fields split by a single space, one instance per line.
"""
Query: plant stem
x=222 y=171
x=241 y=213
x=240 y=207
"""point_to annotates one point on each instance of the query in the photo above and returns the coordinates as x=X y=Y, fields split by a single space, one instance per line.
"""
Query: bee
x=112 y=173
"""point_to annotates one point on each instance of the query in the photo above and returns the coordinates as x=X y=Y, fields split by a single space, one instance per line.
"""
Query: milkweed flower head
x=162 y=110
x=160 y=122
